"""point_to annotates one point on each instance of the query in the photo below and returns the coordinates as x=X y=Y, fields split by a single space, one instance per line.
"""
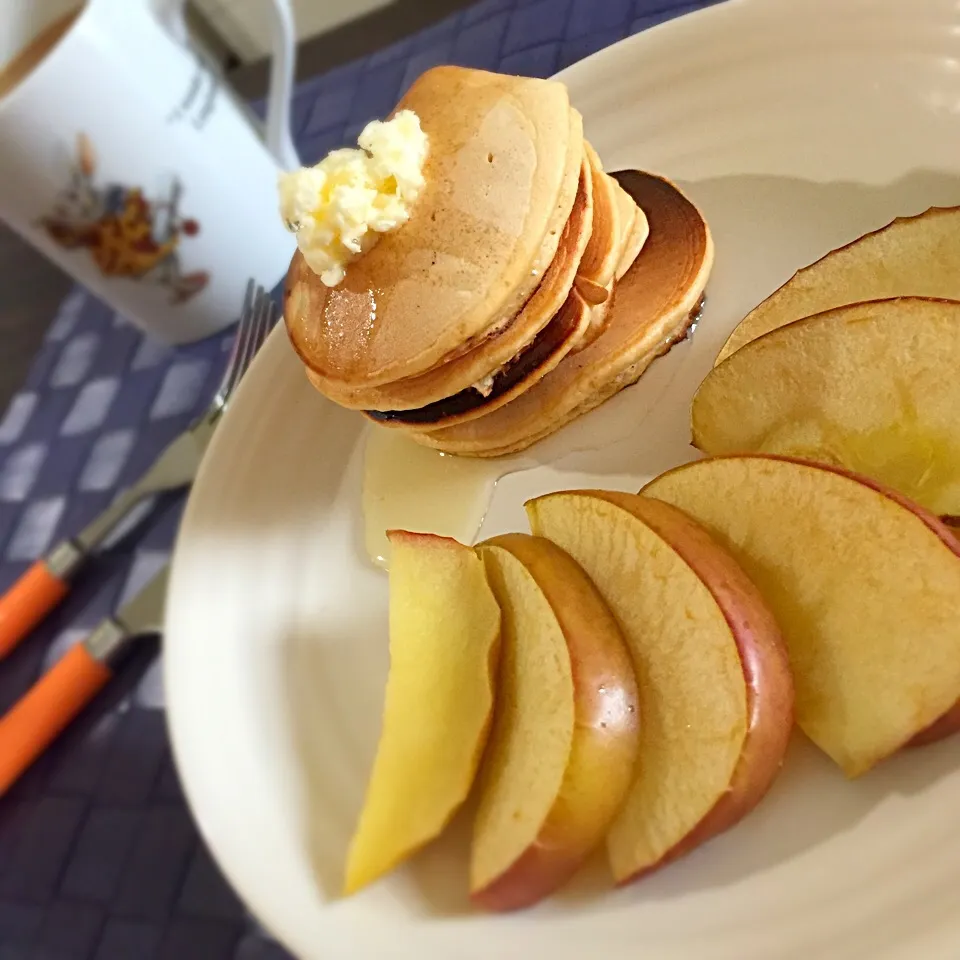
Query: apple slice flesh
x=864 y=584
x=912 y=256
x=444 y=641
x=564 y=740
x=872 y=387
x=715 y=688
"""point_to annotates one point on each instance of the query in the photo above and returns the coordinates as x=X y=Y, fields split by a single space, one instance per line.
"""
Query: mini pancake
x=634 y=232
x=501 y=176
x=552 y=344
x=449 y=378
x=599 y=263
x=612 y=387
x=656 y=302
x=635 y=235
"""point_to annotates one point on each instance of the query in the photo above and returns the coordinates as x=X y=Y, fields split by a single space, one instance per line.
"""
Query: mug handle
x=279 y=138
x=280 y=92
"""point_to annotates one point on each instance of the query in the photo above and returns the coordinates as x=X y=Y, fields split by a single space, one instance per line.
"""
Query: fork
x=47 y=581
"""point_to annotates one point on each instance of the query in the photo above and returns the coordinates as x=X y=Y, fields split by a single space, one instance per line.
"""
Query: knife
x=38 y=718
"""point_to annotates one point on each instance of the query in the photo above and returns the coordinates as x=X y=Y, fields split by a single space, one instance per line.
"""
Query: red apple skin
x=766 y=670
x=605 y=737
x=941 y=728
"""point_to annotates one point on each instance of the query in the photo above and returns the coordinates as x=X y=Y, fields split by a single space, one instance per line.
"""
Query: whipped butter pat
x=339 y=207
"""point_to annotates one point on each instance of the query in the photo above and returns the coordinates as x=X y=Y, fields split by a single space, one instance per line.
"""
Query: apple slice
x=864 y=584
x=716 y=696
x=444 y=641
x=564 y=740
x=913 y=256
x=870 y=386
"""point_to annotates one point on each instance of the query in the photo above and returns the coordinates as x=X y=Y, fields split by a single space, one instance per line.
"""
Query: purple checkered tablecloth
x=99 y=858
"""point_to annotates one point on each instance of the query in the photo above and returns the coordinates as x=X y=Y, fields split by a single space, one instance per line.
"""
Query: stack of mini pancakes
x=527 y=287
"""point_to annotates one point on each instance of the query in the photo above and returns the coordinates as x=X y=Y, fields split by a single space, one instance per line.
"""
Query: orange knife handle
x=32 y=724
x=27 y=602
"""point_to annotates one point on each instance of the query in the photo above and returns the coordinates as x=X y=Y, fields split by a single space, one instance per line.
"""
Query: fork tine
x=223 y=390
x=244 y=331
x=251 y=335
x=268 y=320
x=254 y=327
x=258 y=330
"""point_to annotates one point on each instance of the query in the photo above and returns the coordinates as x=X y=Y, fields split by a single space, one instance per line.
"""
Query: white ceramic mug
x=125 y=160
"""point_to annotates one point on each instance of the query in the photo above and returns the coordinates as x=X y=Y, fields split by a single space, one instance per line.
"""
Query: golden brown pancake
x=654 y=306
x=599 y=261
x=636 y=231
x=500 y=180
x=450 y=378
x=549 y=348
x=599 y=317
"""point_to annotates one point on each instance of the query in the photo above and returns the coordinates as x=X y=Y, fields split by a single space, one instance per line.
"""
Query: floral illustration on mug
x=127 y=234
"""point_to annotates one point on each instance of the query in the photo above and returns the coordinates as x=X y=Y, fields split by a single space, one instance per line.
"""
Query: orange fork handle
x=33 y=723
x=27 y=602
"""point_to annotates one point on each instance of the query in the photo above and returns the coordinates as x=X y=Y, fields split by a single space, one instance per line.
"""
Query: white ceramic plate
x=796 y=126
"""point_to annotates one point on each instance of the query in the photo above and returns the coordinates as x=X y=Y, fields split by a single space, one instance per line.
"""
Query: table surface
x=99 y=858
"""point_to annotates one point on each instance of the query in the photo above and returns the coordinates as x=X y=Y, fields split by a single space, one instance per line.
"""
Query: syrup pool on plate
x=410 y=487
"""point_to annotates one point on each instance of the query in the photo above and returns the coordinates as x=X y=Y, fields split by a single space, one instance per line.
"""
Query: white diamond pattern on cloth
x=35 y=530
x=145 y=564
x=63 y=642
x=107 y=458
x=180 y=389
x=91 y=407
x=67 y=316
x=17 y=416
x=149 y=354
x=75 y=360
x=19 y=472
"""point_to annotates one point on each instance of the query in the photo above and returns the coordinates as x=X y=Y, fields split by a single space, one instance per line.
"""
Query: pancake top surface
x=497 y=163
x=489 y=356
